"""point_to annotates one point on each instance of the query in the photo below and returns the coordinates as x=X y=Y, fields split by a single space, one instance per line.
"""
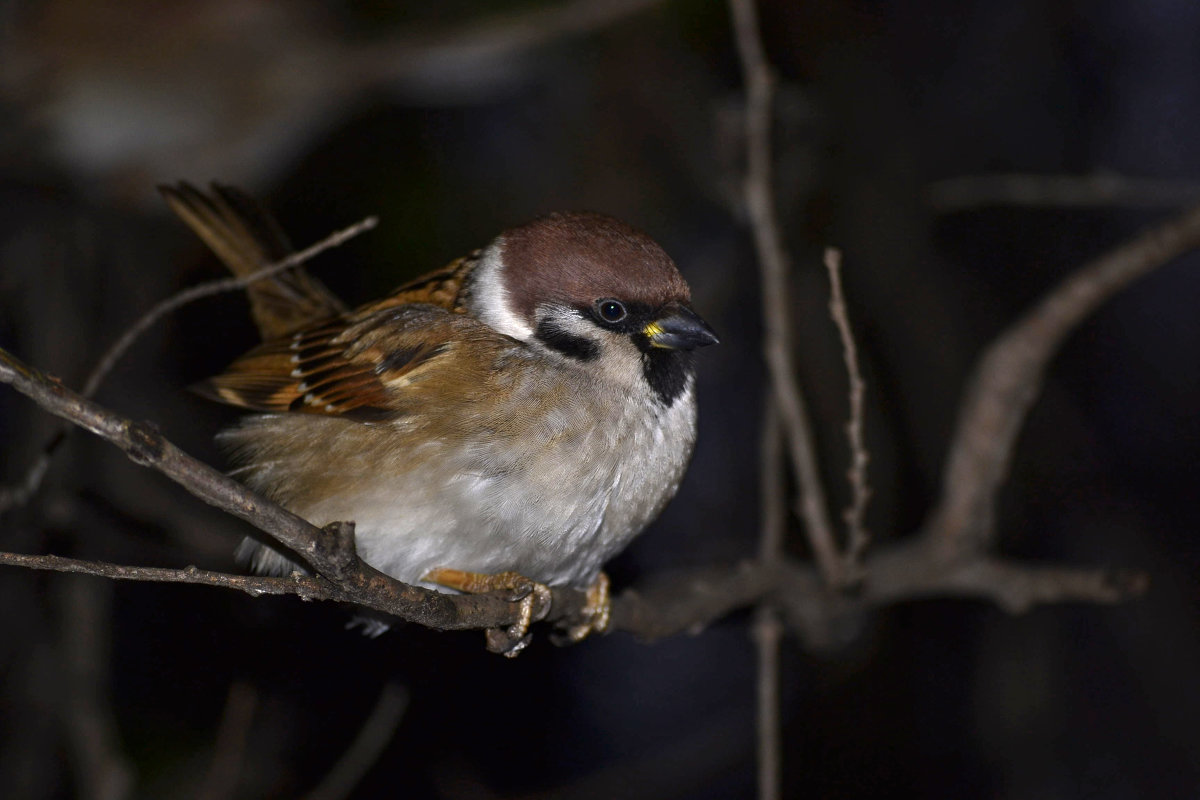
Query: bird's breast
x=551 y=483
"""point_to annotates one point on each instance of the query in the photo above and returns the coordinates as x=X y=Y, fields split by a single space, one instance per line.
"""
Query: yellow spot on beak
x=652 y=331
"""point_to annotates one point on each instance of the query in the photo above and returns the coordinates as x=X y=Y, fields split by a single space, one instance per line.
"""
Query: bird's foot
x=534 y=598
x=594 y=617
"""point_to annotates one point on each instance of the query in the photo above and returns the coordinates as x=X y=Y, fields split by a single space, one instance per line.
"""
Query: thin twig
x=970 y=192
x=210 y=288
x=367 y=746
x=18 y=494
x=229 y=752
x=768 y=629
x=773 y=265
x=787 y=412
x=305 y=586
x=860 y=490
x=102 y=768
x=432 y=57
x=1008 y=379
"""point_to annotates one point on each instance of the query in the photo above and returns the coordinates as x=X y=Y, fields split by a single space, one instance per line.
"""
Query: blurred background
x=453 y=120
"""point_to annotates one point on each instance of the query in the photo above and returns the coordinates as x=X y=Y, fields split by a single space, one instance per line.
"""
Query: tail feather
x=246 y=238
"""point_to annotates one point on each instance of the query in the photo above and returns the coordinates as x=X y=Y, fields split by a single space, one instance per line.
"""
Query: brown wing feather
x=442 y=287
x=246 y=238
x=318 y=359
x=366 y=366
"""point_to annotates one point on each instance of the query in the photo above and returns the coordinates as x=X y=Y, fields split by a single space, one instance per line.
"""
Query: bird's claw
x=594 y=618
x=534 y=599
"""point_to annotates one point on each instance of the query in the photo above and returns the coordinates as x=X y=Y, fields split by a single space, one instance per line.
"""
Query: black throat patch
x=667 y=372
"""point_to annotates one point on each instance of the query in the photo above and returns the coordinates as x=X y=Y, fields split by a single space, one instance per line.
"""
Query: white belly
x=553 y=509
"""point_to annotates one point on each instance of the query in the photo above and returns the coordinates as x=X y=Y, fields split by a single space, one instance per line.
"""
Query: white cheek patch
x=492 y=303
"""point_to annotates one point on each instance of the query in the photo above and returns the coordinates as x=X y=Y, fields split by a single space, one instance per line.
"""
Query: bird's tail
x=246 y=238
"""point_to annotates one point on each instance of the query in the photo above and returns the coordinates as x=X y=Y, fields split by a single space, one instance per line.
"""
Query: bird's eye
x=610 y=310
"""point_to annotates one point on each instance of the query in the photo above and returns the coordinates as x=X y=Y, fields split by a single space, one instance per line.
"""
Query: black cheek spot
x=565 y=342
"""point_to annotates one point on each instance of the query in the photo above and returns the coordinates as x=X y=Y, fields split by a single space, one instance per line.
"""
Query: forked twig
x=1008 y=379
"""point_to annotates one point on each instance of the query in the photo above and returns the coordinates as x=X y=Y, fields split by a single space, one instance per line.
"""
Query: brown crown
x=576 y=258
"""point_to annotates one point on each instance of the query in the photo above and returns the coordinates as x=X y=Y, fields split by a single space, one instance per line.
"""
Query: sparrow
x=510 y=421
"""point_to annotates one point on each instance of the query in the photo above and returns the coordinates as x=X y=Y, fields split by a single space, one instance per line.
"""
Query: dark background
x=451 y=124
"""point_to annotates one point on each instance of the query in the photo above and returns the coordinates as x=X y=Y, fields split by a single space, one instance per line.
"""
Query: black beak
x=679 y=329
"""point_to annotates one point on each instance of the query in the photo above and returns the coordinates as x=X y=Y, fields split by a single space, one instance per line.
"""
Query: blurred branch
x=768 y=629
x=758 y=188
x=19 y=494
x=364 y=751
x=492 y=39
x=860 y=491
x=971 y=192
x=786 y=412
x=1008 y=379
x=101 y=767
x=686 y=602
x=229 y=752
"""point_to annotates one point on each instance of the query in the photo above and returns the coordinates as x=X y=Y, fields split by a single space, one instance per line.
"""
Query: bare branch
x=364 y=751
x=786 y=411
x=860 y=491
x=773 y=266
x=305 y=586
x=768 y=630
x=210 y=288
x=329 y=551
x=1058 y=191
x=1008 y=378
x=913 y=572
x=19 y=493
x=458 y=54
x=686 y=602
x=102 y=768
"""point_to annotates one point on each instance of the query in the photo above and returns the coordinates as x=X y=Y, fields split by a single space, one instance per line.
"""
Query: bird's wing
x=443 y=287
x=247 y=239
x=375 y=364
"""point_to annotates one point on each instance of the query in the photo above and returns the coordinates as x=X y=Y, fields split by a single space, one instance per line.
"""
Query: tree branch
x=1008 y=379
x=773 y=267
x=364 y=751
x=860 y=491
x=229 y=750
x=1100 y=190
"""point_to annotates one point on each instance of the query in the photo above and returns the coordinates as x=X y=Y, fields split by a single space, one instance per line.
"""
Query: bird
x=511 y=421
